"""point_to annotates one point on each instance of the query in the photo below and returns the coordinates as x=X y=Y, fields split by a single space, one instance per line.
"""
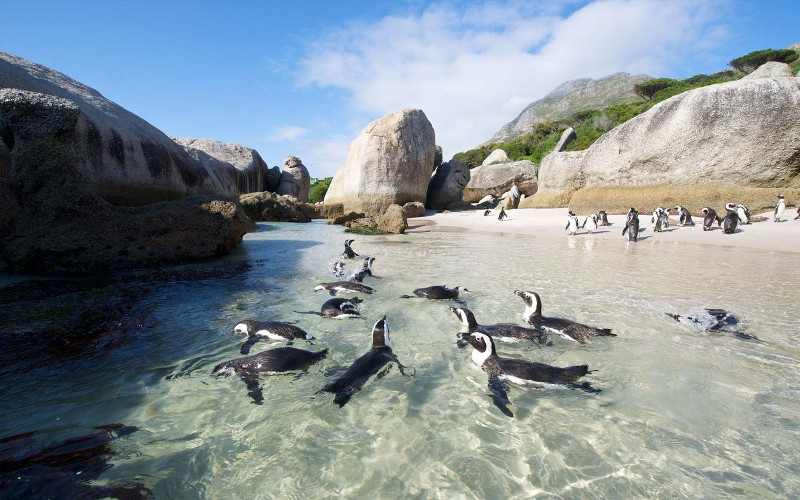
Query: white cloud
x=287 y=133
x=474 y=69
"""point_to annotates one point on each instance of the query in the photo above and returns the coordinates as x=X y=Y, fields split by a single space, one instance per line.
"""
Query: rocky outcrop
x=295 y=180
x=437 y=158
x=771 y=69
x=511 y=198
x=496 y=156
x=252 y=171
x=569 y=98
x=741 y=133
x=447 y=184
x=56 y=222
x=498 y=178
x=321 y=210
x=414 y=209
x=271 y=207
x=567 y=136
x=390 y=162
x=392 y=221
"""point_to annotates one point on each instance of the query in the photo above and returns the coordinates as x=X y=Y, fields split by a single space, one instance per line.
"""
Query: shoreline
x=548 y=223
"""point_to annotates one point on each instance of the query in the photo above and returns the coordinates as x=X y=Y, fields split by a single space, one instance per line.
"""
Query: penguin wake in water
x=270 y=330
x=730 y=220
x=371 y=363
x=348 y=252
x=438 y=292
x=344 y=287
x=712 y=320
x=571 y=330
x=507 y=332
x=272 y=362
x=518 y=371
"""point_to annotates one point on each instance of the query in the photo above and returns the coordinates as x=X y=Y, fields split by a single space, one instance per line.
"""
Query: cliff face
x=569 y=98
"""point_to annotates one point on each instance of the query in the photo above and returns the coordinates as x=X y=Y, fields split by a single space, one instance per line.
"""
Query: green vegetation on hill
x=318 y=190
x=590 y=124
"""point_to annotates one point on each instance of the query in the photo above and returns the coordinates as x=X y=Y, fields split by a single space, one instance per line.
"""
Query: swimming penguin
x=344 y=287
x=685 y=218
x=272 y=362
x=743 y=213
x=712 y=320
x=519 y=371
x=438 y=292
x=568 y=329
x=348 y=252
x=366 y=366
x=507 y=332
x=591 y=221
x=710 y=217
x=340 y=308
x=366 y=270
x=632 y=226
x=779 y=208
x=272 y=330
x=602 y=218
x=487 y=213
x=503 y=214
x=730 y=220
x=572 y=223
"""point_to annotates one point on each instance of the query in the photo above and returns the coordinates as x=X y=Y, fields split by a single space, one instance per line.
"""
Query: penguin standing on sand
x=572 y=223
x=798 y=214
x=684 y=217
x=743 y=213
x=602 y=218
x=710 y=217
x=487 y=213
x=632 y=226
x=730 y=220
x=590 y=221
x=503 y=214
x=662 y=222
x=779 y=208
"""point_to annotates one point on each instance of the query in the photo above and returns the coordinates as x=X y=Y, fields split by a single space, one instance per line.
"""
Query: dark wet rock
x=349 y=216
x=322 y=210
x=447 y=184
x=272 y=207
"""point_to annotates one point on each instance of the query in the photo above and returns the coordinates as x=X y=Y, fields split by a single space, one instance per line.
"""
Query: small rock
x=414 y=209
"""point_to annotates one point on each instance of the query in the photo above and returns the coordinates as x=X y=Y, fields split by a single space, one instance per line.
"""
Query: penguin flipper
x=499 y=395
x=251 y=341
x=624 y=230
x=253 y=387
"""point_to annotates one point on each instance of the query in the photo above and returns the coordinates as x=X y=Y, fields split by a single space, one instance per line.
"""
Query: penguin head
x=380 y=334
x=482 y=345
x=780 y=196
x=318 y=288
x=245 y=327
x=730 y=206
x=533 y=303
x=678 y=208
x=705 y=210
x=356 y=300
x=461 y=289
x=571 y=213
x=465 y=316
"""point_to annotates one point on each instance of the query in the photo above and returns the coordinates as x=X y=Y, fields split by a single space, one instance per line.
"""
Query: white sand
x=549 y=223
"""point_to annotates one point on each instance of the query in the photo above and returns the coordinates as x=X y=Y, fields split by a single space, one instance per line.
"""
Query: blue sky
x=304 y=78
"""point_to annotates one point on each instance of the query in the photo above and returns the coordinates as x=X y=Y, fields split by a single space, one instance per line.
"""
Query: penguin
x=568 y=329
x=798 y=214
x=632 y=226
x=743 y=213
x=438 y=292
x=602 y=218
x=779 y=208
x=519 y=371
x=507 y=332
x=730 y=220
x=631 y=213
x=348 y=252
x=662 y=222
x=366 y=366
x=685 y=218
x=591 y=221
x=712 y=320
x=272 y=362
x=340 y=308
x=344 y=286
x=503 y=214
x=487 y=213
x=272 y=330
x=366 y=270
x=572 y=223
x=710 y=217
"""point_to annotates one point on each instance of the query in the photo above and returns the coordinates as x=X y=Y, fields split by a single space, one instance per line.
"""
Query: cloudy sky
x=304 y=78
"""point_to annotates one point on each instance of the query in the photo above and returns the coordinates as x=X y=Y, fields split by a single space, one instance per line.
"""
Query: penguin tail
x=575 y=372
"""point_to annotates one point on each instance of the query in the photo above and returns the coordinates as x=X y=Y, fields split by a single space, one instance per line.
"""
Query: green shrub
x=646 y=90
x=749 y=62
x=318 y=190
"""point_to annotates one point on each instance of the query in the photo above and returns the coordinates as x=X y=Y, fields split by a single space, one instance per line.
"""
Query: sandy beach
x=549 y=223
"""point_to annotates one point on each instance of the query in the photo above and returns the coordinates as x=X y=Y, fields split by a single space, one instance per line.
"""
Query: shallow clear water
x=681 y=414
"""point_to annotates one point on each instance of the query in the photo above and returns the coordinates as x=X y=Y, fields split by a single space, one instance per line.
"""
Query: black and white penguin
x=348 y=252
x=631 y=213
x=366 y=366
x=632 y=225
x=684 y=217
x=507 y=332
x=591 y=222
x=438 y=292
x=730 y=220
x=712 y=320
x=566 y=328
x=743 y=213
x=662 y=222
x=340 y=308
x=366 y=270
x=779 y=208
x=710 y=217
x=343 y=287
x=503 y=214
x=602 y=218
x=272 y=362
x=519 y=371
x=487 y=213
x=271 y=330
x=572 y=223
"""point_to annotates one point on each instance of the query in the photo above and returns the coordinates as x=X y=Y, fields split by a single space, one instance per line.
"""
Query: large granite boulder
x=321 y=210
x=567 y=136
x=271 y=207
x=496 y=156
x=252 y=169
x=390 y=162
x=295 y=180
x=438 y=157
x=742 y=133
x=447 y=184
x=498 y=178
x=771 y=69
x=392 y=221
x=56 y=222
x=128 y=161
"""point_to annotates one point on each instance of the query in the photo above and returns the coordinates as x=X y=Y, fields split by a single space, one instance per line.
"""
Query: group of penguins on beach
x=736 y=214
x=379 y=359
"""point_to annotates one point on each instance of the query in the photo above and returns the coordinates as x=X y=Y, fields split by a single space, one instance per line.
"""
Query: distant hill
x=569 y=98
